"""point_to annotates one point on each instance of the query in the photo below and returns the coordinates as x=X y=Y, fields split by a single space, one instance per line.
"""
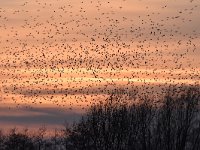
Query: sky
x=59 y=57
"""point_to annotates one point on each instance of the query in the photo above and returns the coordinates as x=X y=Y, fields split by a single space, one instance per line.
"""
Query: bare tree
x=118 y=124
x=39 y=137
x=18 y=141
x=2 y=140
x=170 y=125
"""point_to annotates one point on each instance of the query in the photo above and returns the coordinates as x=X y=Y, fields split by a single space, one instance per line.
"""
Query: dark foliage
x=18 y=141
x=172 y=123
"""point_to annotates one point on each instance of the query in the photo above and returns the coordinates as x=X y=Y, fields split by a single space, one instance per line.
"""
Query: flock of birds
x=69 y=53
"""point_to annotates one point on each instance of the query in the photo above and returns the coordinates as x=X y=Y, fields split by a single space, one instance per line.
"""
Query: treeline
x=146 y=123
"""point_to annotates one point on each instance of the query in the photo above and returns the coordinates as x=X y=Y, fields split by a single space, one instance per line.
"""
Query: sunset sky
x=57 y=57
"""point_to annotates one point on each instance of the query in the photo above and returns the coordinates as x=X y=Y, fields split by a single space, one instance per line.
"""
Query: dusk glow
x=58 y=57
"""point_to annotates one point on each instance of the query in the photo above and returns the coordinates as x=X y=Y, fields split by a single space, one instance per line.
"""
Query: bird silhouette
x=72 y=54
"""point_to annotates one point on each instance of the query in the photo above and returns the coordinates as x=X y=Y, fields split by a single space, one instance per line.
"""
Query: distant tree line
x=169 y=123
